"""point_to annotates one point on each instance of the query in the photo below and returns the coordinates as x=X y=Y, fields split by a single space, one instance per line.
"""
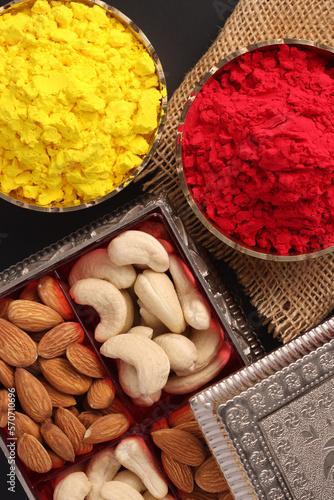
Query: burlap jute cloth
x=292 y=297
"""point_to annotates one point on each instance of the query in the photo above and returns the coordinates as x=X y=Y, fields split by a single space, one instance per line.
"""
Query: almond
x=3 y=407
x=89 y=417
x=193 y=428
x=181 y=416
x=33 y=396
x=209 y=477
x=4 y=304
x=33 y=454
x=101 y=393
x=32 y=316
x=62 y=376
x=74 y=430
x=16 y=347
x=106 y=428
x=115 y=407
x=84 y=360
x=30 y=292
x=73 y=410
x=58 y=398
x=25 y=425
x=180 y=445
x=51 y=294
x=6 y=375
x=225 y=495
x=180 y=474
x=198 y=494
x=57 y=440
x=57 y=462
x=55 y=342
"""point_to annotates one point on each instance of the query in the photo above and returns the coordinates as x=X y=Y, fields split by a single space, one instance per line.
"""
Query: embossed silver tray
x=271 y=424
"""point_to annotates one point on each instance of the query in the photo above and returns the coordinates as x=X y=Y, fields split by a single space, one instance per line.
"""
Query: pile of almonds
x=67 y=403
x=187 y=459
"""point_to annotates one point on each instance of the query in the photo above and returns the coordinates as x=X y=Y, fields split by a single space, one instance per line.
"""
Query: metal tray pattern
x=250 y=421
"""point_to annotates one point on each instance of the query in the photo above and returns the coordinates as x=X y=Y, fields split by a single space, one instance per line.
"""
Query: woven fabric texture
x=292 y=297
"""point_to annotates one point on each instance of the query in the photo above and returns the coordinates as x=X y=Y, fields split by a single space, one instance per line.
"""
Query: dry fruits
x=126 y=471
x=56 y=379
x=186 y=458
x=157 y=325
x=153 y=318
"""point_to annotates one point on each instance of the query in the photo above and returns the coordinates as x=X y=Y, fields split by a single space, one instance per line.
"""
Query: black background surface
x=181 y=31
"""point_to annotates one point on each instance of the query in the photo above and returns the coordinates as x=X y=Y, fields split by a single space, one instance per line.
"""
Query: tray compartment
x=57 y=261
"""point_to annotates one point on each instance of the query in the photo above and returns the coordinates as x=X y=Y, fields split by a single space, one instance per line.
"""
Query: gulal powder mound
x=80 y=102
x=258 y=150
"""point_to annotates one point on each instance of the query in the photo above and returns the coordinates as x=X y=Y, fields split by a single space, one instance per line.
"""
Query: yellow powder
x=80 y=102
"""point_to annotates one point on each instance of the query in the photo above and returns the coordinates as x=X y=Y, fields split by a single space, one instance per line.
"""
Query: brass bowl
x=199 y=211
x=154 y=140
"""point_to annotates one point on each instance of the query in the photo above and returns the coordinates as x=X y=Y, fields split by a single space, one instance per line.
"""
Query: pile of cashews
x=123 y=472
x=153 y=319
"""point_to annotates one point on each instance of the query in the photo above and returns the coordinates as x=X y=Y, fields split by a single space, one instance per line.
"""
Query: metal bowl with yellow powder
x=82 y=103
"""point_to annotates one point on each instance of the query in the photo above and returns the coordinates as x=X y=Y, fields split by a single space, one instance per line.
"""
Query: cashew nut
x=130 y=311
x=150 y=361
x=134 y=455
x=117 y=490
x=101 y=468
x=157 y=293
x=107 y=300
x=148 y=400
x=191 y=382
x=181 y=351
x=127 y=373
x=195 y=308
x=142 y=330
x=96 y=264
x=128 y=378
x=138 y=248
x=148 y=496
x=129 y=477
x=74 y=486
x=208 y=343
x=148 y=319
x=80 y=467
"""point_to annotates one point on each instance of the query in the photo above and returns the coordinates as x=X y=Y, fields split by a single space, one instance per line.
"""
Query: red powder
x=258 y=150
